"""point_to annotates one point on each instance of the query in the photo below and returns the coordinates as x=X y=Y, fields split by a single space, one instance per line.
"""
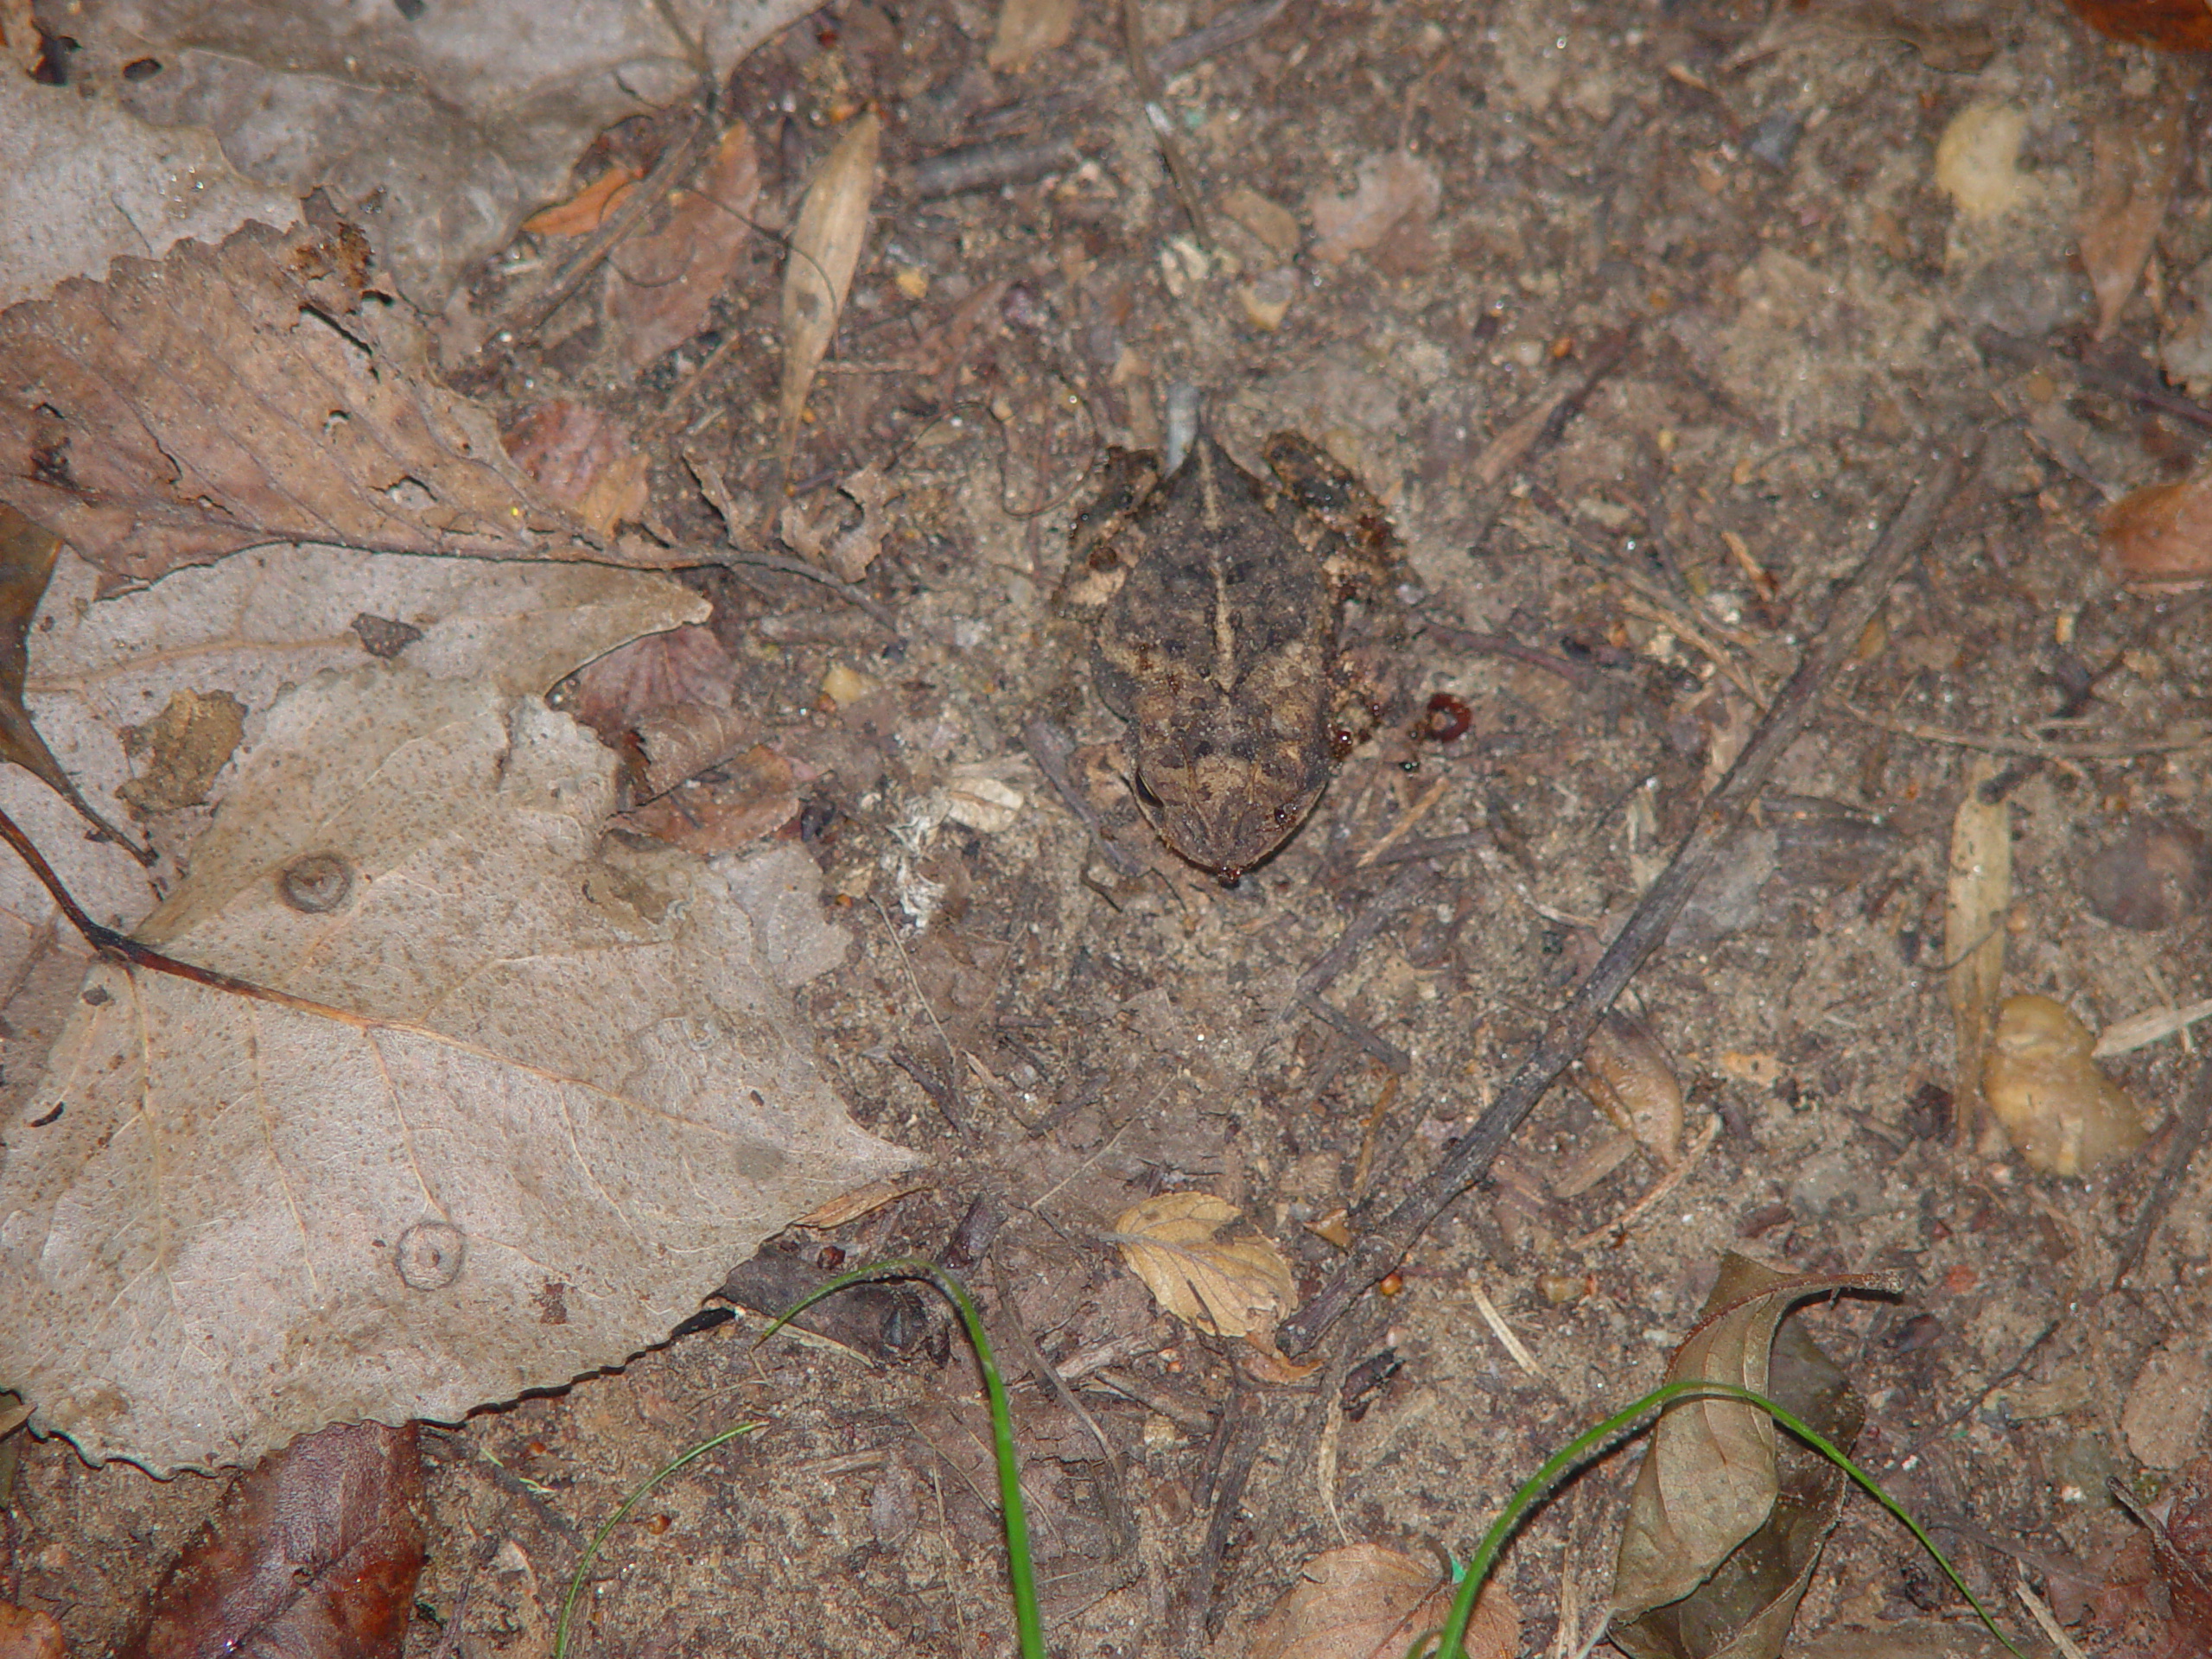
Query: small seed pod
x=316 y=883
x=430 y=1254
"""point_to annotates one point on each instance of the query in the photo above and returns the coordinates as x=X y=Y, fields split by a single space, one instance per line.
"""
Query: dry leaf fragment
x=2137 y=159
x=825 y=252
x=1229 y=1288
x=2174 y=25
x=2061 y=1113
x=1629 y=1078
x=1723 y=1533
x=2158 y=871
x=534 y=1067
x=583 y=213
x=2163 y=1417
x=2161 y=533
x=28 y=1635
x=1978 y=161
x=1978 y=894
x=677 y=669
x=850 y=552
x=179 y=752
x=661 y=284
x=1397 y=192
x=582 y=458
x=314 y=1555
x=1027 y=27
x=755 y=794
x=1366 y=1601
x=189 y=409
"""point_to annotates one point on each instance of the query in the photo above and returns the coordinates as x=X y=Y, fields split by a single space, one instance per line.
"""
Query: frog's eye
x=1282 y=816
x=1145 y=796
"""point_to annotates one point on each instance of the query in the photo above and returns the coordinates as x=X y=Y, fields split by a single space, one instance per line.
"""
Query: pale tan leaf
x=536 y=1071
x=1629 y=1078
x=2061 y=1113
x=825 y=252
x=1366 y=1601
x=1231 y=1288
x=1027 y=27
x=1978 y=894
x=183 y=410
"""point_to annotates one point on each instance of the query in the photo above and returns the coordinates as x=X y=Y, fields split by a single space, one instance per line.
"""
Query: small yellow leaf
x=1231 y=1288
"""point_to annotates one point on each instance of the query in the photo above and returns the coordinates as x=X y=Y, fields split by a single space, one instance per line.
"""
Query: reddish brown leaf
x=755 y=795
x=2177 y=25
x=2162 y=533
x=663 y=282
x=314 y=1555
x=2183 y=1549
x=1364 y=1601
x=662 y=671
x=210 y=401
x=582 y=458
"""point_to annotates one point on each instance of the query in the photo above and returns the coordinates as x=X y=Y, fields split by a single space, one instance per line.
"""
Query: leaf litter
x=526 y=1071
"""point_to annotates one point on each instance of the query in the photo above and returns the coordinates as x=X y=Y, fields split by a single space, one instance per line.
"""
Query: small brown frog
x=1225 y=599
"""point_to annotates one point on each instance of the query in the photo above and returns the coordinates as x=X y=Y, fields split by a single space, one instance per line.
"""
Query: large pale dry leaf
x=551 y=1091
x=2137 y=159
x=662 y=283
x=1364 y=1601
x=314 y=1555
x=439 y=126
x=1230 y=1288
x=1721 y=1537
x=1978 y=892
x=86 y=181
x=825 y=250
x=227 y=397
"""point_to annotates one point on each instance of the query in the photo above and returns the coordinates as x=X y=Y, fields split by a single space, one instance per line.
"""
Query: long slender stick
x=1385 y=1245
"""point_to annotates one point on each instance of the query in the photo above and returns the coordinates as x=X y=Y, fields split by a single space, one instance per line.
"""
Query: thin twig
x=1385 y=1245
x=1163 y=133
x=2190 y=1122
x=2038 y=747
x=1407 y=889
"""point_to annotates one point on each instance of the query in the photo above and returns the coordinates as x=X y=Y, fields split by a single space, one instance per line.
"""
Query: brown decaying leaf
x=539 y=1066
x=2062 y=1115
x=662 y=283
x=28 y=552
x=313 y=1554
x=2175 y=25
x=189 y=409
x=825 y=252
x=2163 y=1419
x=2138 y=158
x=1366 y=1601
x=1979 y=891
x=25 y=1634
x=581 y=214
x=582 y=458
x=2161 y=534
x=1026 y=28
x=1231 y=1288
x=1720 y=1539
x=1629 y=1078
x=2183 y=1549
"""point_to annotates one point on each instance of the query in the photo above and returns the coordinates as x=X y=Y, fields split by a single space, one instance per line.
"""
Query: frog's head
x=1221 y=811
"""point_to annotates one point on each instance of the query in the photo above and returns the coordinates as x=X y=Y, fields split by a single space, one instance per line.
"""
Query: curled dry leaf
x=1629 y=1078
x=2161 y=534
x=1724 y=1527
x=581 y=214
x=825 y=252
x=534 y=1070
x=2136 y=159
x=582 y=458
x=1232 y=1288
x=1978 y=892
x=661 y=284
x=1365 y=1601
x=2061 y=1113
x=315 y=1554
x=228 y=397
